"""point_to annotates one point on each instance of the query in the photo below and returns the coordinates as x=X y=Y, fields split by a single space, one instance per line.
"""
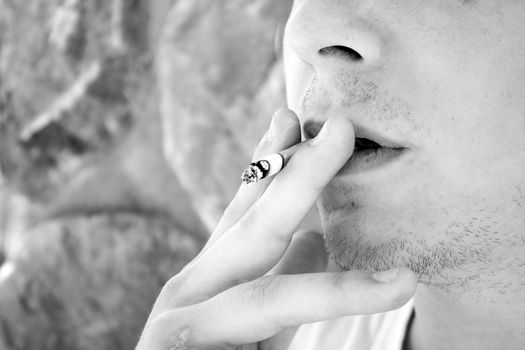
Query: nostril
x=341 y=51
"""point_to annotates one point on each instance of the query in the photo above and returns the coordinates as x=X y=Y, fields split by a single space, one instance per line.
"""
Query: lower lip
x=370 y=159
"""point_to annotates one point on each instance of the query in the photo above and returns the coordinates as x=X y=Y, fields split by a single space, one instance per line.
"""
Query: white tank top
x=384 y=331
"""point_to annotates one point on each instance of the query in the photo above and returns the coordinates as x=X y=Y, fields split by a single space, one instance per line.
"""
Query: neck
x=493 y=321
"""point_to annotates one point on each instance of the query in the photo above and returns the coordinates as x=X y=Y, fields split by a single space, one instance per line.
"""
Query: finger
x=259 y=309
x=306 y=254
x=284 y=131
x=253 y=245
x=300 y=183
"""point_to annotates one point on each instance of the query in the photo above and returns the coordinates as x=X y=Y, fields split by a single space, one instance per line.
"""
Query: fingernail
x=388 y=276
x=280 y=123
x=322 y=135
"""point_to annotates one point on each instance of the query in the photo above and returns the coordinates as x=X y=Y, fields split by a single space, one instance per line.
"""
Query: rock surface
x=79 y=104
x=224 y=98
x=124 y=126
x=87 y=282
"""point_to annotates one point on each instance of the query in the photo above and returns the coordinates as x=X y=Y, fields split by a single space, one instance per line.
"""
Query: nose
x=326 y=34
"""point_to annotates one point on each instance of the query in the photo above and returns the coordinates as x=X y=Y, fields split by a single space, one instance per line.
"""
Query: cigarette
x=267 y=166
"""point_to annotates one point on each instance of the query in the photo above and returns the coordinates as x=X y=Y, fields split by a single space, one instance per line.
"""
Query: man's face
x=440 y=84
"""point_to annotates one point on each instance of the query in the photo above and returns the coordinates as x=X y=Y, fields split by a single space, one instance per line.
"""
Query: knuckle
x=171 y=287
x=340 y=282
x=168 y=331
x=235 y=208
x=171 y=294
x=262 y=290
x=256 y=225
x=249 y=220
x=275 y=237
x=177 y=292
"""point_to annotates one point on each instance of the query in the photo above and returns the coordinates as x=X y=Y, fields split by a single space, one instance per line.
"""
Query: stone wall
x=124 y=126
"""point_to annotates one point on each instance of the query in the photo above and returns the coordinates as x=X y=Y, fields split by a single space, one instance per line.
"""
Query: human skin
x=255 y=280
x=442 y=78
x=446 y=80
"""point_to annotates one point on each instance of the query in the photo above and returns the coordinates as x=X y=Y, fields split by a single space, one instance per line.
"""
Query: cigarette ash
x=251 y=174
x=256 y=171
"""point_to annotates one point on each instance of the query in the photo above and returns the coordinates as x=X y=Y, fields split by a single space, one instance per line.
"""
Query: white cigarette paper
x=267 y=166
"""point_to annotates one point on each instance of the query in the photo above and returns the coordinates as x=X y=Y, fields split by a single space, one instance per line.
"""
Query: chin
x=444 y=238
x=377 y=248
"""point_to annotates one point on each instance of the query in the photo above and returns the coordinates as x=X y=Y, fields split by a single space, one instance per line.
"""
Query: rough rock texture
x=79 y=104
x=89 y=289
x=94 y=216
x=224 y=98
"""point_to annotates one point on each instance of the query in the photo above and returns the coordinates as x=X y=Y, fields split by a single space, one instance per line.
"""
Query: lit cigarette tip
x=268 y=166
x=263 y=168
x=250 y=174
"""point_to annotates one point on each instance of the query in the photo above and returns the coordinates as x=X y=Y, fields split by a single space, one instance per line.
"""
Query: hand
x=223 y=300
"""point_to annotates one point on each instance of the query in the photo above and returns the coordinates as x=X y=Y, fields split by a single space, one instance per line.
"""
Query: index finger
x=274 y=140
x=293 y=192
x=252 y=246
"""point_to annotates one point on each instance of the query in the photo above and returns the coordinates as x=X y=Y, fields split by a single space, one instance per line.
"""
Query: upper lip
x=311 y=129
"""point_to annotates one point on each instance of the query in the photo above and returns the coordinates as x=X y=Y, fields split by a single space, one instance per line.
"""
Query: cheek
x=477 y=101
x=476 y=132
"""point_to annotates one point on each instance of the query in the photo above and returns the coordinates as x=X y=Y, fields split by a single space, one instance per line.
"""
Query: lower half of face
x=448 y=87
x=445 y=222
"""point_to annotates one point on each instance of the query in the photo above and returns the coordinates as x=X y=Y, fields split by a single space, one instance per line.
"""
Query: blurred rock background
x=124 y=126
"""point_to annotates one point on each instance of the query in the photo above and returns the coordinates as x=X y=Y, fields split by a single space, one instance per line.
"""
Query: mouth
x=371 y=151
x=369 y=155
